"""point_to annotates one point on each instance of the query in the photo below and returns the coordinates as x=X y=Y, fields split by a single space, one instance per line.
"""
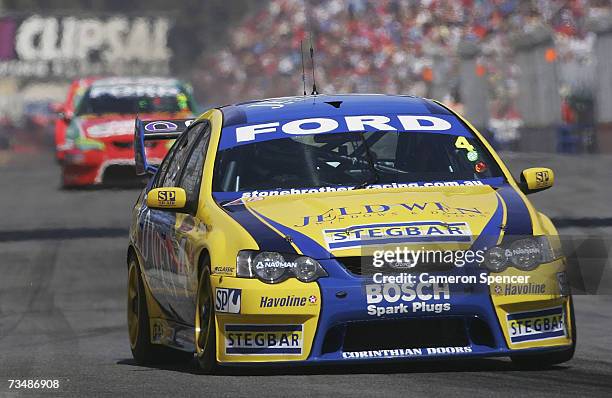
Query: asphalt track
x=62 y=299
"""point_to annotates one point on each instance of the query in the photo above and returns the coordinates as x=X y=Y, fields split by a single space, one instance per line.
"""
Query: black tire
x=143 y=351
x=205 y=328
x=63 y=184
x=548 y=359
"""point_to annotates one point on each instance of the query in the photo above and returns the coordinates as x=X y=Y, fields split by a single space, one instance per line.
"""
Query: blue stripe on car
x=266 y=238
x=490 y=233
x=518 y=220
x=306 y=245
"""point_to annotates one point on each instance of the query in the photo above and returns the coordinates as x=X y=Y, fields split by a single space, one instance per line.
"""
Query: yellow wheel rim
x=132 y=304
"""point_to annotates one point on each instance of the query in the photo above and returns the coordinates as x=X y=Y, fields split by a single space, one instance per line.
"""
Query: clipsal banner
x=68 y=46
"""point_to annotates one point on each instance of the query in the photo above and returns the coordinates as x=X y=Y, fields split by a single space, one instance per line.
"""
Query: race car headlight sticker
x=85 y=144
x=270 y=266
x=495 y=259
x=524 y=254
x=307 y=269
x=273 y=267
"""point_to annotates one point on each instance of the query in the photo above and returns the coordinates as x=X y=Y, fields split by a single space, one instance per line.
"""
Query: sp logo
x=542 y=177
x=166 y=196
x=228 y=300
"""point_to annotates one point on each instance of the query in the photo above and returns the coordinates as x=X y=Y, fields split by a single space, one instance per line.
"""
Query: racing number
x=462 y=143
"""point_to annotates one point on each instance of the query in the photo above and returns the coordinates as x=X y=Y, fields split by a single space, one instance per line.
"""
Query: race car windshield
x=351 y=159
x=133 y=101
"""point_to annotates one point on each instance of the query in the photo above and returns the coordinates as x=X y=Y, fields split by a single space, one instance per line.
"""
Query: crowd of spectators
x=388 y=46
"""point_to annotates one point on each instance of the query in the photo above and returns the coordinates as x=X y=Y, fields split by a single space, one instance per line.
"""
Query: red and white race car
x=98 y=147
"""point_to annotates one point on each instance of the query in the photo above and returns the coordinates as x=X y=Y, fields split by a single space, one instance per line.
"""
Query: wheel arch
x=203 y=261
x=131 y=253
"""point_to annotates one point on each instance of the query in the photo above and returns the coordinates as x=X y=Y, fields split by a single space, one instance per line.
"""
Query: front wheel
x=143 y=351
x=205 y=336
x=138 y=318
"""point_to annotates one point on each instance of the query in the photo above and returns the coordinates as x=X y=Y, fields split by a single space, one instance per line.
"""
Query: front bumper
x=346 y=318
x=93 y=167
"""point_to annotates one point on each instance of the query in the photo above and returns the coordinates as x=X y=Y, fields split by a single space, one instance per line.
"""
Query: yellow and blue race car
x=341 y=229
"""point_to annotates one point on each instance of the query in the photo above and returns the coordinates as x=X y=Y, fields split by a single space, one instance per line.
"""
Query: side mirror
x=536 y=179
x=65 y=115
x=167 y=199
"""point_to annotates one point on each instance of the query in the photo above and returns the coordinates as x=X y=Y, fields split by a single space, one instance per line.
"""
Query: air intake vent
x=405 y=333
x=363 y=266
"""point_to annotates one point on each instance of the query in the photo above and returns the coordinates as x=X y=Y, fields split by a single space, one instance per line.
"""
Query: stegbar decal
x=414 y=232
x=228 y=300
x=536 y=325
x=264 y=339
x=248 y=133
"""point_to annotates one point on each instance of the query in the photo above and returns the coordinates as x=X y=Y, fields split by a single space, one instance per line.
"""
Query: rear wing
x=146 y=130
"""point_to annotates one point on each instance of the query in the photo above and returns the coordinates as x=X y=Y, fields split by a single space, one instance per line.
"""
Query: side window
x=192 y=173
x=175 y=165
x=163 y=168
x=181 y=154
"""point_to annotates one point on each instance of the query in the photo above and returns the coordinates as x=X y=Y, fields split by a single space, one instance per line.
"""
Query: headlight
x=273 y=267
x=307 y=269
x=524 y=254
x=496 y=259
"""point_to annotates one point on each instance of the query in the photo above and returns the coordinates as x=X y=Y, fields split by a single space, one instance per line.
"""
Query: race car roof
x=287 y=108
x=288 y=117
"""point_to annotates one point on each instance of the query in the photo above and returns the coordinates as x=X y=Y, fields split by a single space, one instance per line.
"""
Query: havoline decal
x=287 y=301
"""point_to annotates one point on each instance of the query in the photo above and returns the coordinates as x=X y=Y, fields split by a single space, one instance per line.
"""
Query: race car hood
x=111 y=126
x=338 y=224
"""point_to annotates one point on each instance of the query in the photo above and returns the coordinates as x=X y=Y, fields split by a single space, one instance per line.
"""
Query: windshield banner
x=249 y=133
